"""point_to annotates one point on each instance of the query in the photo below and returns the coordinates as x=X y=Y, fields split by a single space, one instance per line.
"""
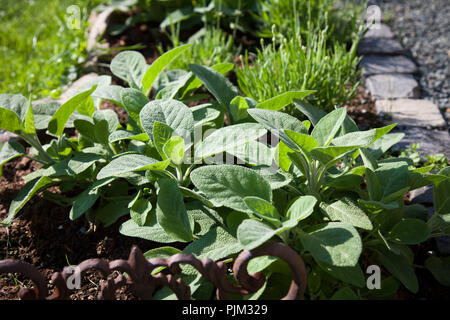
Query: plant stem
x=294 y=189
x=188 y=172
x=36 y=159
x=179 y=174
x=37 y=145
x=236 y=21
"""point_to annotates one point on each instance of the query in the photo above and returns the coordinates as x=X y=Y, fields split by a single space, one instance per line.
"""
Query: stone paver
x=392 y=86
x=430 y=141
x=422 y=195
x=99 y=23
x=376 y=64
x=5 y=136
x=411 y=112
x=380 y=46
x=379 y=31
x=442 y=243
x=76 y=86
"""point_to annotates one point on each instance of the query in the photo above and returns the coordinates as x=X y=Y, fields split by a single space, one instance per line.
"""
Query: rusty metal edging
x=143 y=284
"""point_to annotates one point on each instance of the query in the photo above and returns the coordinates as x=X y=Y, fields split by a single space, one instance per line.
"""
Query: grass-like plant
x=300 y=63
x=301 y=17
x=211 y=46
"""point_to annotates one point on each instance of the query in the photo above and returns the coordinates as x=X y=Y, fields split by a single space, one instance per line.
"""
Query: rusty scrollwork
x=136 y=273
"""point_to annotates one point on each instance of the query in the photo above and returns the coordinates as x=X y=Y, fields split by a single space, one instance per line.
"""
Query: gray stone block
x=379 y=46
x=99 y=24
x=422 y=195
x=411 y=112
x=379 y=31
x=430 y=141
x=442 y=243
x=5 y=136
x=377 y=64
x=392 y=86
x=77 y=87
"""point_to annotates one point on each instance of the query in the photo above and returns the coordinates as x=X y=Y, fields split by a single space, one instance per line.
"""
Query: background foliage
x=39 y=53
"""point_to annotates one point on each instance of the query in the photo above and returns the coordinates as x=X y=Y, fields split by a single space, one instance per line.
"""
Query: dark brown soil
x=43 y=235
x=362 y=109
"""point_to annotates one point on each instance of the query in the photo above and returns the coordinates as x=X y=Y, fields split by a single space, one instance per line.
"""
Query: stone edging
x=388 y=75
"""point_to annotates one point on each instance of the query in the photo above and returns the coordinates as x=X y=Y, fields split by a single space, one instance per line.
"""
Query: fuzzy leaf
x=218 y=85
x=228 y=138
x=158 y=65
x=171 y=212
x=279 y=102
x=62 y=115
x=130 y=163
x=10 y=121
x=263 y=209
x=204 y=113
x=87 y=199
x=161 y=134
x=330 y=155
x=314 y=114
x=238 y=108
x=10 y=150
x=112 y=93
x=253 y=153
x=121 y=135
x=252 y=233
x=25 y=194
x=173 y=113
x=410 y=231
x=227 y=185
x=195 y=83
x=346 y=210
x=327 y=127
x=16 y=103
x=133 y=101
x=399 y=266
x=277 y=122
x=82 y=162
x=153 y=232
x=215 y=245
x=130 y=66
x=302 y=208
x=351 y=275
x=334 y=243
x=174 y=150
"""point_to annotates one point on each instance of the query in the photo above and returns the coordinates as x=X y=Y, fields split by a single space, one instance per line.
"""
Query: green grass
x=211 y=47
x=302 y=64
x=313 y=47
x=290 y=17
x=39 y=53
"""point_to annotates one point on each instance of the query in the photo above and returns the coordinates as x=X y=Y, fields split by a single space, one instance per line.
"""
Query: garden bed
x=338 y=173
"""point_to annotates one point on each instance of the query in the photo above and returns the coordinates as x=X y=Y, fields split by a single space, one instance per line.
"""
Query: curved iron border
x=139 y=279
